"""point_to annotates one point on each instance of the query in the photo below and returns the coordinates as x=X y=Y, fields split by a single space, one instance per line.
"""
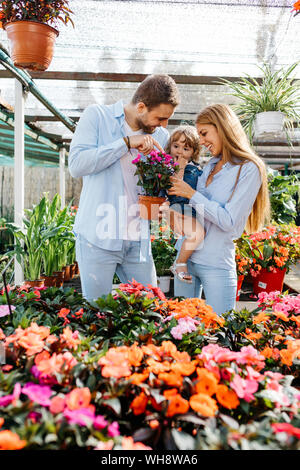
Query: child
x=184 y=147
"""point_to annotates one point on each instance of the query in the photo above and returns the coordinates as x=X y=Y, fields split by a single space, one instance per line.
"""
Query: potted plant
x=243 y=261
x=164 y=254
x=31 y=29
x=283 y=191
x=268 y=106
x=154 y=172
x=28 y=244
x=273 y=251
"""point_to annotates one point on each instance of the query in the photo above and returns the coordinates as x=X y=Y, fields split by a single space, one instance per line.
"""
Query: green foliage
x=163 y=249
x=277 y=92
x=282 y=190
x=50 y=12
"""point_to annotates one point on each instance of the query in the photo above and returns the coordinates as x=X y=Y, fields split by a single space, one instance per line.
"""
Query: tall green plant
x=282 y=190
x=278 y=91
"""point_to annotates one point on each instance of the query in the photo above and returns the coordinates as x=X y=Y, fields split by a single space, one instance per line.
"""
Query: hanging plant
x=31 y=29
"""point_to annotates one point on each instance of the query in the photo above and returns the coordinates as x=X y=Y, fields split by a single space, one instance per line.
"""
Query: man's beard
x=144 y=127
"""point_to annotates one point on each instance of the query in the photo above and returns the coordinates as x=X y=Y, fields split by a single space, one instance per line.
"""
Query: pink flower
x=244 y=388
x=100 y=422
x=4 y=310
x=287 y=428
x=82 y=416
x=159 y=175
x=185 y=325
x=136 y=160
x=8 y=399
x=113 y=429
x=38 y=393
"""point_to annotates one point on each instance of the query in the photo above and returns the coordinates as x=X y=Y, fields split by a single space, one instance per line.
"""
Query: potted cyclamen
x=30 y=27
x=154 y=172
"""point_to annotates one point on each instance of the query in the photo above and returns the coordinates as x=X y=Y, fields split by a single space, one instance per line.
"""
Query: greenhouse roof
x=117 y=42
x=38 y=147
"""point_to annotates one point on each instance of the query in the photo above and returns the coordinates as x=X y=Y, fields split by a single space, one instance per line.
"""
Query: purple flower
x=38 y=393
x=4 y=310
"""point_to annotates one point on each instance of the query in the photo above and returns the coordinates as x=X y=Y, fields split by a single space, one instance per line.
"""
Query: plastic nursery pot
x=239 y=286
x=35 y=283
x=149 y=207
x=32 y=44
x=164 y=283
x=267 y=281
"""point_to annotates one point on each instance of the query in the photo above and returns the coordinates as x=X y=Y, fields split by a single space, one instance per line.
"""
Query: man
x=110 y=236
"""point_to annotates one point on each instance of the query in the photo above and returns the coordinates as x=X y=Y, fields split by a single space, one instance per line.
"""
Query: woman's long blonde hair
x=235 y=144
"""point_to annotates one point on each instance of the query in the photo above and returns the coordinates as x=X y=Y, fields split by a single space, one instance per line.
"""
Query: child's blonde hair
x=191 y=138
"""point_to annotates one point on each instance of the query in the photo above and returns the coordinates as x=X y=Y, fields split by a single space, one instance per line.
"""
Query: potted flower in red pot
x=154 y=172
x=274 y=250
x=31 y=29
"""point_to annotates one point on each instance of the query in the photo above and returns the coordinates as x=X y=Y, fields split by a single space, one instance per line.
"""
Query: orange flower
x=171 y=392
x=184 y=368
x=135 y=356
x=296 y=319
x=11 y=441
x=251 y=335
x=260 y=318
x=70 y=338
x=267 y=352
x=282 y=316
x=207 y=382
x=204 y=405
x=227 y=398
x=171 y=378
x=115 y=364
x=32 y=343
x=168 y=348
x=78 y=398
x=137 y=379
x=157 y=367
x=177 y=405
x=286 y=357
x=154 y=424
x=2 y=335
x=1 y=422
x=57 y=404
x=139 y=404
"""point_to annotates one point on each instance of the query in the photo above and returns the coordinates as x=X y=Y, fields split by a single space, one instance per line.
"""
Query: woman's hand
x=180 y=188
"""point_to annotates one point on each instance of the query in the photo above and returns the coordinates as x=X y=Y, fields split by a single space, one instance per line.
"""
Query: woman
x=232 y=195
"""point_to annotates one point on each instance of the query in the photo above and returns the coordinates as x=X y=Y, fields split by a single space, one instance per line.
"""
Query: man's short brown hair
x=155 y=90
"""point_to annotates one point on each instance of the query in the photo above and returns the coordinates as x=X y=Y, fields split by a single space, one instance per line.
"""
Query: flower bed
x=135 y=370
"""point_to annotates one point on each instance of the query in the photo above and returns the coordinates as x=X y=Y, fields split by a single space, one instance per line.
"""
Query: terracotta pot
x=267 y=281
x=35 y=283
x=239 y=286
x=149 y=206
x=59 y=278
x=76 y=267
x=32 y=44
x=72 y=270
x=49 y=281
x=67 y=274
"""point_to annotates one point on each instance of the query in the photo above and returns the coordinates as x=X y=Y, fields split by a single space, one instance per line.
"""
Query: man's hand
x=180 y=188
x=144 y=143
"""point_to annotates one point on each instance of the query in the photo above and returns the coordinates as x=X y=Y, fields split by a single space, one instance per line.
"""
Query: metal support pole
x=62 y=177
x=19 y=169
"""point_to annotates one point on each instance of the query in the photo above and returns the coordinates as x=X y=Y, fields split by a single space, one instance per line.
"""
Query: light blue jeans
x=219 y=286
x=98 y=266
